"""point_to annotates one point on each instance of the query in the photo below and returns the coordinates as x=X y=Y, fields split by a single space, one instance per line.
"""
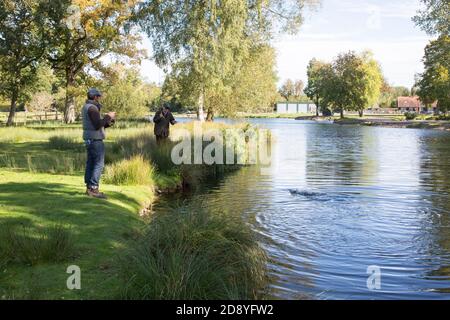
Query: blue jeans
x=95 y=163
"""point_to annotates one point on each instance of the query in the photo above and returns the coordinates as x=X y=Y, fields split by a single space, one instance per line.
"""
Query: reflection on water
x=341 y=198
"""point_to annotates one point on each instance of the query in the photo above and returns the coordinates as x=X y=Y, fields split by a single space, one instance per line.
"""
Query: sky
x=382 y=26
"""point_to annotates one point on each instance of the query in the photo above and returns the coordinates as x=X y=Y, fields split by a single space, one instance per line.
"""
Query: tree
x=373 y=82
x=434 y=82
x=435 y=18
x=251 y=89
x=208 y=41
x=287 y=90
x=83 y=32
x=354 y=83
x=41 y=101
x=318 y=76
x=389 y=95
x=125 y=93
x=298 y=88
x=22 y=44
x=255 y=89
x=36 y=95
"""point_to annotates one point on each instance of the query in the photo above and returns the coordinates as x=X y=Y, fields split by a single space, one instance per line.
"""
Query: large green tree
x=206 y=42
x=434 y=82
x=252 y=89
x=23 y=42
x=85 y=31
x=355 y=83
x=319 y=74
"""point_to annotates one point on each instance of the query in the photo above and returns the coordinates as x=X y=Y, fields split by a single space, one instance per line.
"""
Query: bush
x=144 y=144
x=134 y=171
x=443 y=117
x=410 y=115
x=194 y=254
x=31 y=247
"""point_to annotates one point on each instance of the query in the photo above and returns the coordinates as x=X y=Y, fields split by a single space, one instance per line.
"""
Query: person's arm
x=97 y=121
x=172 y=119
x=157 y=118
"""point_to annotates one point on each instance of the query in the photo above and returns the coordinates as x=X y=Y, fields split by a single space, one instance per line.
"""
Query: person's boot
x=95 y=193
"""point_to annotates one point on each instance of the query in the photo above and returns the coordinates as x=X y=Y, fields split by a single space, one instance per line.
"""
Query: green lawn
x=100 y=229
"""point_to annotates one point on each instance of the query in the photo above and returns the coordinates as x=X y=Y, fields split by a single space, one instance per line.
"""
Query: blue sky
x=382 y=26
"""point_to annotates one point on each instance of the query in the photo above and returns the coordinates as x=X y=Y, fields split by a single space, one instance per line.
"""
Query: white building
x=293 y=107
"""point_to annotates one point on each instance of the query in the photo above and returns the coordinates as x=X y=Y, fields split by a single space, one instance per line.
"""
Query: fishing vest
x=89 y=132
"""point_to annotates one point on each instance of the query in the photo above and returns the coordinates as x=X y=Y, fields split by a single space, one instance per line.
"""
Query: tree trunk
x=69 y=108
x=342 y=113
x=361 y=113
x=317 y=107
x=201 y=104
x=69 y=111
x=12 y=110
x=210 y=115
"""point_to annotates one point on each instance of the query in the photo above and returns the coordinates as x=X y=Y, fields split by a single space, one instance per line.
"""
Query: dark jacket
x=162 y=123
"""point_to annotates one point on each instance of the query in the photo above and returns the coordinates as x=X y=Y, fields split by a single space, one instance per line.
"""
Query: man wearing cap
x=163 y=119
x=93 y=135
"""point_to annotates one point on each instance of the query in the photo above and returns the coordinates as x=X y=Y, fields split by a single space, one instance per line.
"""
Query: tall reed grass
x=193 y=253
x=134 y=171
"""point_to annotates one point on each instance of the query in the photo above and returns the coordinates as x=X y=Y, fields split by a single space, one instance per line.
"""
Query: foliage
x=435 y=18
x=434 y=82
x=23 y=42
x=192 y=253
x=292 y=90
x=318 y=77
x=83 y=32
x=206 y=42
x=410 y=115
x=126 y=93
x=354 y=83
x=41 y=101
x=389 y=95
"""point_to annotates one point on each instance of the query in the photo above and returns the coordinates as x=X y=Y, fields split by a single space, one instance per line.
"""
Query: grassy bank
x=397 y=123
x=47 y=223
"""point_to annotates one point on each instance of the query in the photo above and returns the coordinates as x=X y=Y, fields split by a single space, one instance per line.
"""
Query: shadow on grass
x=99 y=229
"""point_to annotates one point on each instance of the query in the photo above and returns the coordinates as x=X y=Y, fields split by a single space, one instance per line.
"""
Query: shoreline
x=388 y=123
x=443 y=125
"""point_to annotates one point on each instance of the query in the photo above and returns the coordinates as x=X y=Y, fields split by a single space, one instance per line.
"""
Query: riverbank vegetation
x=194 y=253
x=48 y=224
x=351 y=82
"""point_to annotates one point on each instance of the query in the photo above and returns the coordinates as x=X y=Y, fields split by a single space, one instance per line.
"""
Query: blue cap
x=92 y=93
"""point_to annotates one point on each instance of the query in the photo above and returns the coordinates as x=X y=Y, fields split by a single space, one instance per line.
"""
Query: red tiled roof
x=409 y=102
x=412 y=102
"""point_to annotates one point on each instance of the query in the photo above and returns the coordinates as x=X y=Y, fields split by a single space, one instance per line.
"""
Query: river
x=341 y=199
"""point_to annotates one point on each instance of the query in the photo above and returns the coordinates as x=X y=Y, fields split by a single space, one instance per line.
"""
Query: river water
x=340 y=199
